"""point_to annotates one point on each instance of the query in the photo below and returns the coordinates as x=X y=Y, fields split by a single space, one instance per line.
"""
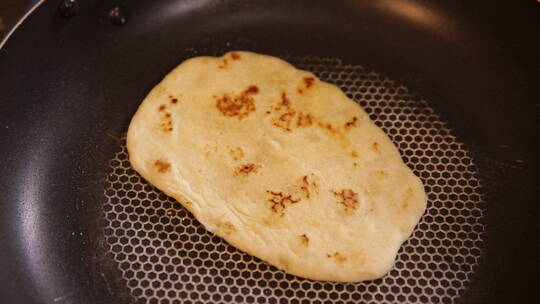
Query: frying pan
x=453 y=83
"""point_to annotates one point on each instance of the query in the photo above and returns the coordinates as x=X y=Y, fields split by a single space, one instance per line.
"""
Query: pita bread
x=278 y=163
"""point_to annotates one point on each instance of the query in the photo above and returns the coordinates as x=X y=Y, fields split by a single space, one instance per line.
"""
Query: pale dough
x=278 y=163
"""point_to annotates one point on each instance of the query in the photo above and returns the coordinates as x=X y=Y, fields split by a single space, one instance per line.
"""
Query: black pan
x=454 y=83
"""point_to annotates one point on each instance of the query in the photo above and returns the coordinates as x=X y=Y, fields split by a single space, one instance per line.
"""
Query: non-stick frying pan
x=454 y=84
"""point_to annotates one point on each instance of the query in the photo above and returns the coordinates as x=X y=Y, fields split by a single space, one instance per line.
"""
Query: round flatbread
x=278 y=163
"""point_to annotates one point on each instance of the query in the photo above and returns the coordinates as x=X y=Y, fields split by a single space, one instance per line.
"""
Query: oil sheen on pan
x=278 y=163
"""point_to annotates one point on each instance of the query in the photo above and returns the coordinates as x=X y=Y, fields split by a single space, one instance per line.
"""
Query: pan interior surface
x=165 y=255
x=452 y=82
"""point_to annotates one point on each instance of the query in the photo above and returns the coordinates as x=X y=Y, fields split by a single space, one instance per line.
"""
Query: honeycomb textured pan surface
x=280 y=164
x=162 y=254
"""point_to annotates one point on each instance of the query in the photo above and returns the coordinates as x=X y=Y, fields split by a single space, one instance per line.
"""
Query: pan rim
x=19 y=22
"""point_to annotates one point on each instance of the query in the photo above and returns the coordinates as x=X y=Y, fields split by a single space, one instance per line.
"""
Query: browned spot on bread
x=240 y=105
x=173 y=99
x=355 y=164
x=230 y=106
x=236 y=153
x=327 y=127
x=285 y=121
x=354 y=153
x=166 y=122
x=351 y=123
x=285 y=102
x=162 y=166
x=287 y=118
x=223 y=64
x=252 y=90
x=336 y=133
x=310 y=185
x=376 y=147
x=339 y=258
x=279 y=201
x=246 y=169
x=235 y=56
x=304 y=120
x=227 y=227
x=308 y=81
x=304 y=239
x=348 y=199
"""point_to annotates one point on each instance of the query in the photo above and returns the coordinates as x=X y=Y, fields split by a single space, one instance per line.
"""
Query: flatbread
x=278 y=163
